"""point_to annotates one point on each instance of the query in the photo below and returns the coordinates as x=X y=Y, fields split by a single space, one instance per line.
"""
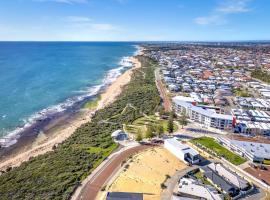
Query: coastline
x=58 y=133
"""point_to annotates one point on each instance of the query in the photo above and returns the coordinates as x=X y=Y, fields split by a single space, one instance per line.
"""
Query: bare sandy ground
x=44 y=143
x=147 y=172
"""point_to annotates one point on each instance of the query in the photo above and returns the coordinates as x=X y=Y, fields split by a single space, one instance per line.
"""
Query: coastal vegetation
x=56 y=174
x=261 y=75
x=213 y=147
x=92 y=104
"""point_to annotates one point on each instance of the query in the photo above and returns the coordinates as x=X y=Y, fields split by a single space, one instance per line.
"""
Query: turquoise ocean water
x=38 y=79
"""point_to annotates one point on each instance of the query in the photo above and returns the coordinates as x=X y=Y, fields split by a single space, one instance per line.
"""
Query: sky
x=134 y=20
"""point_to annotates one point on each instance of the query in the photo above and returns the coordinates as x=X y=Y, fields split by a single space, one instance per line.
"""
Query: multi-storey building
x=204 y=116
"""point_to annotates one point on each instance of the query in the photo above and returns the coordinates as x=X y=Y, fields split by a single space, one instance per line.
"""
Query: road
x=162 y=91
x=172 y=182
x=100 y=178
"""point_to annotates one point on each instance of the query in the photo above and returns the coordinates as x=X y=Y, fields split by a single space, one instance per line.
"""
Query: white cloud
x=219 y=14
x=86 y=23
x=64 y=1
x=234 y=6
x=78 y=19
x=210 y=20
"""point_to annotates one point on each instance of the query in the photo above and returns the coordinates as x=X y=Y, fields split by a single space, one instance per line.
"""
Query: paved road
x=162 y=91
x=172 y=182
x=91 y=189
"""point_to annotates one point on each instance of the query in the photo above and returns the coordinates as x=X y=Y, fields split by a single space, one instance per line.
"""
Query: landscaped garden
x=213 y=147
x=141 y=125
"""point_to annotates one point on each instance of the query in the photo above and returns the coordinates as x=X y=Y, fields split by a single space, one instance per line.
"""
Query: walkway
x=100 y=178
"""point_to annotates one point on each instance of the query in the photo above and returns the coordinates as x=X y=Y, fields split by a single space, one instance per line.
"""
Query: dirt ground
x=258 y=139
x=260 y=174
x=146 y=172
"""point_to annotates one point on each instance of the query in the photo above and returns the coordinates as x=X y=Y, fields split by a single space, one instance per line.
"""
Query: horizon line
x=211 y=41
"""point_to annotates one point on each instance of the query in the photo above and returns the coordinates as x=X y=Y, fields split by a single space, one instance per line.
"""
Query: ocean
x=42 y=79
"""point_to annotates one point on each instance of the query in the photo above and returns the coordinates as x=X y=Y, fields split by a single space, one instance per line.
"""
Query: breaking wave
x=52 y=111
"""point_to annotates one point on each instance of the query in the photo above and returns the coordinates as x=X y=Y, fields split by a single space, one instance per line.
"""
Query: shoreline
x=59 y=132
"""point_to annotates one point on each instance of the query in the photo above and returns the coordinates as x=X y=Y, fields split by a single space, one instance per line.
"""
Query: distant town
x=210 y=137
x=219 y=86
x=223 y=90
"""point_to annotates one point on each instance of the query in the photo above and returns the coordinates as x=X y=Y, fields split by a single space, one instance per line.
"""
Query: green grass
x=105 y=152
x=199 y=176
x=266 y=162
x=261 y=75
x=92 y=104
x=218 y=149
x=143 y=122
x=241 y=92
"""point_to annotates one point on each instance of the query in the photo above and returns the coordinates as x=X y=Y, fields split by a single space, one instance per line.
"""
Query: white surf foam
x=13 y=136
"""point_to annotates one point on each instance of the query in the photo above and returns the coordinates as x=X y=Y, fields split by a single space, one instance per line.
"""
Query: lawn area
x=92 y=104
x=219 y=150
x=105 y=152
x=143 y=122
x=241 y=92
x=266 y=162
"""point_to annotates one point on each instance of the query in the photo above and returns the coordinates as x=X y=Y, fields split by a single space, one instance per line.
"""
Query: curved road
x=94 y=185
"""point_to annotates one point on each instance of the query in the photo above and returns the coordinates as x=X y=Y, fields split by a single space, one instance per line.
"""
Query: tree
x=172 y=114
x=160 y=130
x=149 y=132
x=183 y=120
x=170 y=125
x=161 y=110
x=139 y=137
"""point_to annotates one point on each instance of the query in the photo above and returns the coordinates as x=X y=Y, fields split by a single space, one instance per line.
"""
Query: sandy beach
x=46 y=142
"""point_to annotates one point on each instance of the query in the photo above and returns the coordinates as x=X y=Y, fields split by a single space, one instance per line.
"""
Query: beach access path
x=94 y=183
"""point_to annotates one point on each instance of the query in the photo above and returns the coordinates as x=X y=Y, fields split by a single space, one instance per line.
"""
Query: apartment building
x=206 y=117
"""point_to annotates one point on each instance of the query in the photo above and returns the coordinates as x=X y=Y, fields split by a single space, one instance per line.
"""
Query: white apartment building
x=206 y=117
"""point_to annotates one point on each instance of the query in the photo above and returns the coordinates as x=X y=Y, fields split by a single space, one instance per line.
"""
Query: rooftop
x=124 y=196
x=183 y=147
x=194 y=189
x=259 y=150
